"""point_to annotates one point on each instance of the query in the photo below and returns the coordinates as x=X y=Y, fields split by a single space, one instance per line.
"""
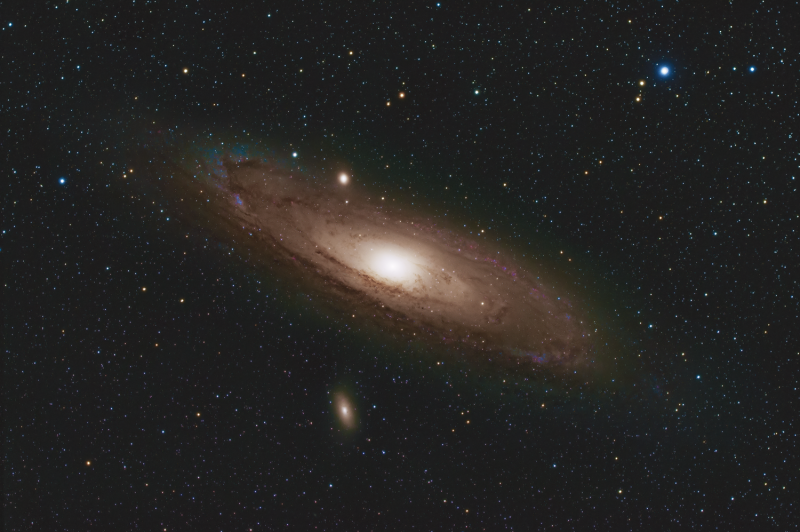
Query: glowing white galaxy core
x=393 y=266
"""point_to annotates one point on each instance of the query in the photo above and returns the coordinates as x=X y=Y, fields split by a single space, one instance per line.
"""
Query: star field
x=160 y=376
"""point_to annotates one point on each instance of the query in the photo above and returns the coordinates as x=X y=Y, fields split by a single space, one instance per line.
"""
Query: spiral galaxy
x=393 y=264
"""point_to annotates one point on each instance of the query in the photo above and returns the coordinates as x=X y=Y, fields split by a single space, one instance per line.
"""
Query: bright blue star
x=752 y=69
x=62 y=180
x=698 y=376
x=663 y=70
x=294 y=154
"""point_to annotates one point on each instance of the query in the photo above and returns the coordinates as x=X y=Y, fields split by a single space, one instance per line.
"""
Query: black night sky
x=644 y=155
